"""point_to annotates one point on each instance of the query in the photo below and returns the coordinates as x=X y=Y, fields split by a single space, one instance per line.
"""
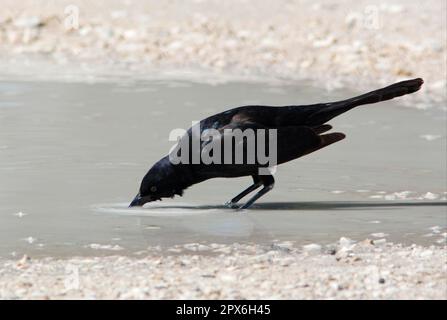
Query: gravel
x=335 y=43
x=359 y=270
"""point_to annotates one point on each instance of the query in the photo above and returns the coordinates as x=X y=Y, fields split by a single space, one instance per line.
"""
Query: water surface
x=72 y=156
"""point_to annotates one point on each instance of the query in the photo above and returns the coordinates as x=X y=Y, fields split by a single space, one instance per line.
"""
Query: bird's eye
x=153 y=189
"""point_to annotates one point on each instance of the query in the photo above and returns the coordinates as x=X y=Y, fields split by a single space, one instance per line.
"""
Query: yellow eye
x=153 y=189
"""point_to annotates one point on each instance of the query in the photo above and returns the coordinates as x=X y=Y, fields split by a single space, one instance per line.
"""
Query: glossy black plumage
x=300 y=131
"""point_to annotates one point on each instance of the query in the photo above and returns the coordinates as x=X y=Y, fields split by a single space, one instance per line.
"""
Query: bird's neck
x=182 y=176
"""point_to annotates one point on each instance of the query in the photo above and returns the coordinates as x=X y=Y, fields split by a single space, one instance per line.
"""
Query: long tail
x=333 y=109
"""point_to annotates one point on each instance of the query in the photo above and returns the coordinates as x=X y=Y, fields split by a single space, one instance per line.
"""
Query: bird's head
x=160 y=182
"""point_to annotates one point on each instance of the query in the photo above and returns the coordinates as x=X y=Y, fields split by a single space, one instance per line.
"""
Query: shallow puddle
x=72 y=156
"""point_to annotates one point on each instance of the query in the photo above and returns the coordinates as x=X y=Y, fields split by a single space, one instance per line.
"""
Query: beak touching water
x=137 y=202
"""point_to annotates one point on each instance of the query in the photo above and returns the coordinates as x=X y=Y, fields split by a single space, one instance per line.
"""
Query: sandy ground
x=347 y=270
x=335 y=43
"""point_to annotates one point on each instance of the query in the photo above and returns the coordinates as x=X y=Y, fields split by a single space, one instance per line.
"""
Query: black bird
x=300 y=131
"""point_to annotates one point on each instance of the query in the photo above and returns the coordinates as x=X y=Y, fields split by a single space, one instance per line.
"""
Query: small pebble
x=379 y=242
x=312 y=248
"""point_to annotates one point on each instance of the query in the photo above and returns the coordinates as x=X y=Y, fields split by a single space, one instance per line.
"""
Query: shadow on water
x=320 y=205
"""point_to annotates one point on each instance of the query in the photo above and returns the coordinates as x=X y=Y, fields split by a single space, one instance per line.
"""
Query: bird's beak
x=136 y=202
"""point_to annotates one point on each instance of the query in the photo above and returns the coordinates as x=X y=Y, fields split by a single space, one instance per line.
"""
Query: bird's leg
x=236 y=199
x=256 y=184
x=268 y=183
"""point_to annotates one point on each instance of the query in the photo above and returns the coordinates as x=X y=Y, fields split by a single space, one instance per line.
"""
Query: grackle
x=300 y=130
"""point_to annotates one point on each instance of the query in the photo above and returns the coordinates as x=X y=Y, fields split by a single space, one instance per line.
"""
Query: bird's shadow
x=319 y=205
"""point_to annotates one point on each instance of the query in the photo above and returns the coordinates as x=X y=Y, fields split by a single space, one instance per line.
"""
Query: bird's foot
x=231 y=205
x=244 y=206
x=235 y=205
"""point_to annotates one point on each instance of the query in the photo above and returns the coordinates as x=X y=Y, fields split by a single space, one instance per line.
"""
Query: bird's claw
x=243 y=207
x=231 y=205
x=236 y=206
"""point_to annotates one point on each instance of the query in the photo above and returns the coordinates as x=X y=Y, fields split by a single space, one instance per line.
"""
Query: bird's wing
x=296 y=141
x=275 y=117
x=227 y=131
x=290 y=142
